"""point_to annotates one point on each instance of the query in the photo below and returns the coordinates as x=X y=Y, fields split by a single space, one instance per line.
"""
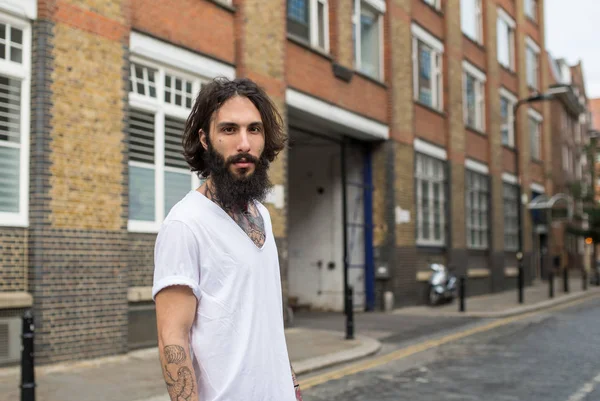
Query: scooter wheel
x=434 y=297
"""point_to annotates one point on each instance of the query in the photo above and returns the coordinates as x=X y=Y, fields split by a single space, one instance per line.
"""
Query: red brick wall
x=201 y=26
x=430 y=125
x=477 y=146
x=474 y=53
x=508 y=160
x=312 y=73
x=428 y=18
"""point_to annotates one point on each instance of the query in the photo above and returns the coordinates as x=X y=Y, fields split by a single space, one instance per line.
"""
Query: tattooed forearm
x=180 y=384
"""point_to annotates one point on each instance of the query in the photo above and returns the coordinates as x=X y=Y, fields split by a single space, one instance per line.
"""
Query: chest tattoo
x=252 y=223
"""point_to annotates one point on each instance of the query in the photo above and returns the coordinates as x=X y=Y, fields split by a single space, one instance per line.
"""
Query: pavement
x=316 y=342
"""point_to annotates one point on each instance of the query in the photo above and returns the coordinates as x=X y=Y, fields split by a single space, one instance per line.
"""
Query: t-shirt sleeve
x=176 y=258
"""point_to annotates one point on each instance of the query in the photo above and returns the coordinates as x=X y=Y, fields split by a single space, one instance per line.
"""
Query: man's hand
x=296 y=385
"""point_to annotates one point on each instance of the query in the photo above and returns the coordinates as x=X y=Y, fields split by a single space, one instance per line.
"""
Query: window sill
x=435 y=9
x=537 y=161
x=370 y=78
x=508 y=70
x=306 y=44
x=475 y=131
x=531 y=19
x=432 y=109
x=510 y=148
x=474 y=41
x=224 y=5
x=431 y=248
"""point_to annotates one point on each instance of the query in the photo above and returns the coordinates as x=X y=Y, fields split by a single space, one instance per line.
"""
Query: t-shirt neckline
x=224 y=214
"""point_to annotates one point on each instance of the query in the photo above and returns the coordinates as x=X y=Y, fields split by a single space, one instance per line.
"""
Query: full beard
x=234 y=193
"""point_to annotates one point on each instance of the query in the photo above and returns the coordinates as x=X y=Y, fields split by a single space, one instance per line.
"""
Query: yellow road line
x=426 y=345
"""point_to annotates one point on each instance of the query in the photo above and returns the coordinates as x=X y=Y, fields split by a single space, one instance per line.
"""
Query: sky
x=573 y=33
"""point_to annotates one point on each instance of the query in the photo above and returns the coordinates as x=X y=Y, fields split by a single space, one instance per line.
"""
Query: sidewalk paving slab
x=137 y=375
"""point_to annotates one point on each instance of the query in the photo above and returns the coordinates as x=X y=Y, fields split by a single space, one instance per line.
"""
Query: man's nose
x=244 y=141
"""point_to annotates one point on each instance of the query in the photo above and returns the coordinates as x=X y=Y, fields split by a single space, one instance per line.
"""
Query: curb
x=368 y=346
x=518 y=310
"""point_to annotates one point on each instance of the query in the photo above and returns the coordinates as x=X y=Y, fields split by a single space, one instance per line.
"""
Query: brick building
x=398 y=112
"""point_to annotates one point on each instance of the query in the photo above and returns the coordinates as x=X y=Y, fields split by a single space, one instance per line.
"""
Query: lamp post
x=548 y=95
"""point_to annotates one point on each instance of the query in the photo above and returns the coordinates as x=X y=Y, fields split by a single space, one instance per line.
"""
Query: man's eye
x=228 y=130
x=256 y=129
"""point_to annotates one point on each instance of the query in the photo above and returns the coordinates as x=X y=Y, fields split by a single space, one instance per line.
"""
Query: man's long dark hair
x=210 y=99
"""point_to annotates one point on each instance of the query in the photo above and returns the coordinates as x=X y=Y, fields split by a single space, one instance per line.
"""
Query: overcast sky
x=573 y=33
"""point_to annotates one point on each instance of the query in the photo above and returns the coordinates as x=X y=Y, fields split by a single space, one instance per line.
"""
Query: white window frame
x=534 y=115
x=478 y=23
x=379 y=7
x=313 y=25
x=480 y=170
x=512 y=100
x=22 y=72
x=535 y=49
x=167 y=59
x=480 y=78
x=512 y=26
x=432 y=152
x=531 y=9
x=437 y=92
x=433 y=3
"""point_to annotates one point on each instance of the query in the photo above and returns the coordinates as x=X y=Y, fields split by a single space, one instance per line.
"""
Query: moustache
x=242 y=157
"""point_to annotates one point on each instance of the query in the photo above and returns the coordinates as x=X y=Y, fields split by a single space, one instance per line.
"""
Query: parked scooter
x=442 y=285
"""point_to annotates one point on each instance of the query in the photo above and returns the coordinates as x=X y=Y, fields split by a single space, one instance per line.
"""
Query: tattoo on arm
x=181 y=385
x=296 y=385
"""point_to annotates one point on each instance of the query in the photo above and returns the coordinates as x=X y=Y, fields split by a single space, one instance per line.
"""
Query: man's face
x=234 y=147
x=237 y=135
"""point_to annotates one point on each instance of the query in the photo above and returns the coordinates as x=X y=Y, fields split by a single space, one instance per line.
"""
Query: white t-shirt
x=237 y=340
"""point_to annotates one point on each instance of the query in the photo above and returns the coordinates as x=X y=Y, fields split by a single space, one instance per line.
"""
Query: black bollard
x=565 y=280
x=584 y=280
x=27 y=365
x=349 y=314
x=551 y=283
x=462 y=293
x=521 y=283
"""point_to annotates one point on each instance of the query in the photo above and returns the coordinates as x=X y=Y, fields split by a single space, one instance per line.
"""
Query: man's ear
x=203 y=139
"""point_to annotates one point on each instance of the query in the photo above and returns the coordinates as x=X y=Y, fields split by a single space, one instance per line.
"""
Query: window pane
x=173 y=146
x=177 y=185
x=425 y=81
x=297 y=18
x=9 y=179
x=141 y=136
x=471 y=101
x=321 y=22
x=425 y=208
x=2 y=31
x=503 y=43
x=16 y=36
x=468 y=18
x=437 y=212
x=504 y=127
x=10 y=110
x=16 y=55
x=369 y=46
x=141 y=193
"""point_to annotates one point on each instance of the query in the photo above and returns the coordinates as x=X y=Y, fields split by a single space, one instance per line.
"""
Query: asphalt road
x=550 y=356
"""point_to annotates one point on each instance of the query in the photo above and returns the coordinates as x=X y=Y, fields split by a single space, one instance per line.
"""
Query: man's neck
x=208 y=190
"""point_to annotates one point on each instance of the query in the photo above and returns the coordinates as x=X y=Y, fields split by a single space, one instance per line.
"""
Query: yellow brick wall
x=87 y=131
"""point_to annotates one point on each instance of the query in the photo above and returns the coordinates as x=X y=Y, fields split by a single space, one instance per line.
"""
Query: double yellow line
x=427 y=345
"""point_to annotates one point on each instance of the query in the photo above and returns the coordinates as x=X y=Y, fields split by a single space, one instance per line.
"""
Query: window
x=368 y=37
x=477 y=210
x=535 y=131
x=565 y=158
x=471 y=19
x=474 y=97
x=427 y=68
x=532 y=52
x=531 y=9
x=510 y=194
x=430 y=180
x=433 y=3
x=507 y=102
x=160 y=101
x=506 y=40
x=309 y=20
x=15 y=70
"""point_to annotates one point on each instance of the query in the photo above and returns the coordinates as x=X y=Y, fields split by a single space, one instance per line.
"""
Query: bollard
x=551 y=283
x=521 y=283
x=462 y=293
x=27 y=365
x=349 y=314
x=584 y=280
x=565 y=280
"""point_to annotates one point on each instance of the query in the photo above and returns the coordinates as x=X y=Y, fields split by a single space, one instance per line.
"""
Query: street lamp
x=548 y=95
